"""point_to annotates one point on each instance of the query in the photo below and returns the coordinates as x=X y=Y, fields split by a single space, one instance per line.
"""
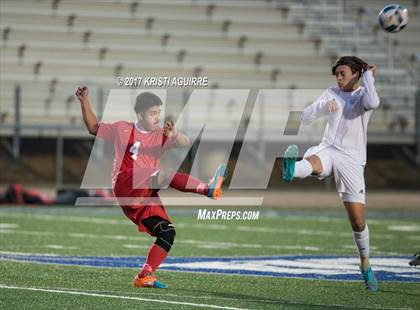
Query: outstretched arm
x=170 y=131
x=370 y=98
x=89 y=117
x=322 y=106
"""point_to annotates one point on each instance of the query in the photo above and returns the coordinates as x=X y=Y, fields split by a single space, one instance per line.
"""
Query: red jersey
x=137 y=152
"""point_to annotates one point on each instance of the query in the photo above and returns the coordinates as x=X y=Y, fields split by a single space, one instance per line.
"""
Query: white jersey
x=346 y=130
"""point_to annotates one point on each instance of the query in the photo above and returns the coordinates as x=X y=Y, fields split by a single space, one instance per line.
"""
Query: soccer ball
x=393 y=18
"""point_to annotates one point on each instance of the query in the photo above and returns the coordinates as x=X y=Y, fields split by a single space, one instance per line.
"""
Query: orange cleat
x=148 y=281
x=215 y=184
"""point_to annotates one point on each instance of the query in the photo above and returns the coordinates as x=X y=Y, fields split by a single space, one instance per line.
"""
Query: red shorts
x=148 y=205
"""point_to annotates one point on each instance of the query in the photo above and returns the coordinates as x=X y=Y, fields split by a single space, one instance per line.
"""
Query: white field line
x=405 y=228
x=8 y=225
x=78 y=219
x=148 y=293
x=60 y=246
x=241 y=228
x=82 y=293
x=136 y=246
x=90 y=293
x=297 y=231
x=190 y=242
x=172 y=201
x=291 y=217
x=414 y=237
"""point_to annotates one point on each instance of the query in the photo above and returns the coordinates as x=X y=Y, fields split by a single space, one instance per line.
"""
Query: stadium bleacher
x=50 y=47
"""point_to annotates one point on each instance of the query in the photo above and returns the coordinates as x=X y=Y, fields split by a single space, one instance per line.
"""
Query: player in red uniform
x=137 y=175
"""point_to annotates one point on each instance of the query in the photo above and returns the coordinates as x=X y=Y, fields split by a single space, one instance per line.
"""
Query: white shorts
x=349 y=177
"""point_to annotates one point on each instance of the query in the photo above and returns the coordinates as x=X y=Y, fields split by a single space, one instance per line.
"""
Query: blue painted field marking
x=388 y=268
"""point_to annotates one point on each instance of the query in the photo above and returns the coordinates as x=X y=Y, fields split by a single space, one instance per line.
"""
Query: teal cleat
x=289 y=160
x=158 y=284
x=371 y=282
x=215 y=184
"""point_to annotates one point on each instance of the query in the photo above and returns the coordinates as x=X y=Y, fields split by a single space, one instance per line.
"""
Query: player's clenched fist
x=332 y=106
x=169 y=129
x=82 y=93
x=373 y=69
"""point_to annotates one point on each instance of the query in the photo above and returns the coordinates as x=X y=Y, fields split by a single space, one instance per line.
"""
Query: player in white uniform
x=342 y=150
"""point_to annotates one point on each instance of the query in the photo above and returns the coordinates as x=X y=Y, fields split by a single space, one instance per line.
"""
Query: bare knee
x=356 y=214
x=316 y=164
x=358 y=225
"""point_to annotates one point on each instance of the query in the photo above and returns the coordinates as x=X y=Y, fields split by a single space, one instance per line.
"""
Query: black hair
x=145 y=101
x=356 y=64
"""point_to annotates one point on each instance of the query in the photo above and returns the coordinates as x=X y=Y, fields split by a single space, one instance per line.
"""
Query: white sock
x=362 y=241
x=303 y=168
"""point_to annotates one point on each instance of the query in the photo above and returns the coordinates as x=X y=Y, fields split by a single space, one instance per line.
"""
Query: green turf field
x=105 y=232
